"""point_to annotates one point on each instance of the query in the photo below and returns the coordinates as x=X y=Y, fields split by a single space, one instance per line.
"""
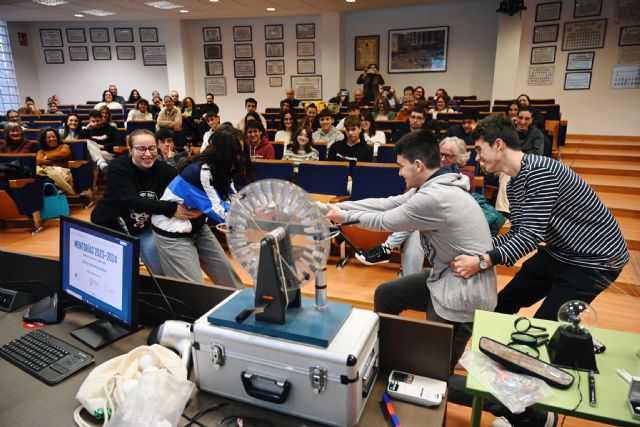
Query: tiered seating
x=324 y=177
x=26 y=194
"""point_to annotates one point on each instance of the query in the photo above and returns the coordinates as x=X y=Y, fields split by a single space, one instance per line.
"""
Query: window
x=9 y=98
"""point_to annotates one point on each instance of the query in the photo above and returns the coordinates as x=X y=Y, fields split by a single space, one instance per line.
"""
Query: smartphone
x=344 y=93
x=386 y=88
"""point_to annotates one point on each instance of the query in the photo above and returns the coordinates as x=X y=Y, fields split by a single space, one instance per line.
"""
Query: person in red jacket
x=257 y=141
x=15 y=140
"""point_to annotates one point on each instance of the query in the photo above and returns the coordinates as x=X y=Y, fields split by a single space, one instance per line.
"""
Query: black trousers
x=542 y=276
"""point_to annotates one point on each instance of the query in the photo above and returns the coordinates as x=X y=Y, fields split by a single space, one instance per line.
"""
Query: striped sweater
x=551 y=203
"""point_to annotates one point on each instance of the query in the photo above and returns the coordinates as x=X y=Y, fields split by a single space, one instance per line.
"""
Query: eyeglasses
x=447 y=156
x=141 y=150
x=416 y=117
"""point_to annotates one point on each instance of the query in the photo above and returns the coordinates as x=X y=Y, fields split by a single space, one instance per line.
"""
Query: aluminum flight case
x=328 y=385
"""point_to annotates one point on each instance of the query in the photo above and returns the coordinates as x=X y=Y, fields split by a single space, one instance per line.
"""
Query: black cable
x=174 y=316
x=176 y=300
x=246 y=421
x=194 y=419
x=579 y=400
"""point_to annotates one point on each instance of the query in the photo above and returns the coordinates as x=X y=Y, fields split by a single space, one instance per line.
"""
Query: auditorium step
x=606 y=153
x=627 y=206
x=609 y=145
x=613 y=183
x=603 y=167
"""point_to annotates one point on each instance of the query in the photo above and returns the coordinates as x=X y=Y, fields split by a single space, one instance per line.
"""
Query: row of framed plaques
x=243 y=33
x=577 y=35
x=151 y=55
x=53 y=37
x=246 y=68
x=551 y=11
x=306 y=87
x=272 y=50
x=575 y=60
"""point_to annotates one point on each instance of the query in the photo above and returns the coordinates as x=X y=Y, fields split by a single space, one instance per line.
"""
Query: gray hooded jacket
x=451 y=223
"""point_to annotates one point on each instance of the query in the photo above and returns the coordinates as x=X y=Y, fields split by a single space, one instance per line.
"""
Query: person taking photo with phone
x=371 y=80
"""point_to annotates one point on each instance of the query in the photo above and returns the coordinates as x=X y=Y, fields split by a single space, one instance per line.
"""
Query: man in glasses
x=134 y=186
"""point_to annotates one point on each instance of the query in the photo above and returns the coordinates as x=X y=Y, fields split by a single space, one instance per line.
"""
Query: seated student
x=440 y=107
x=531 y=138
x=416 y=121
x=419 y=94
x=107 y=101
x=538 y=118
x=213 y=121
x=287 y=126
x=407 y=106
x=53 y=109
x=301 y=148
x=512 y=111
x=101 y=138
x=337 y=102
x=463 y=131
x=52 y=160
x=116 y=98
x=286 y=105
x=71 y=129
x=450 y=102
x=167 y=148
x=107 y=117
x=327 y=132
x=155 y=107
x=382 y=110
x=134 y=185
x=208 y=106
x=251 y=105
x=311 y=117
x=15 y=140
x=354 y=148
x=392 y=99
x=290 y=96
x=371 y=135
x=169 y=117
x=206 y=183
x=358 y=98
x=353 y=109
x=12 y=117
x=134 y=97
x=141 y=112
x=190 y=120
x=29 y=108
x=257 y=141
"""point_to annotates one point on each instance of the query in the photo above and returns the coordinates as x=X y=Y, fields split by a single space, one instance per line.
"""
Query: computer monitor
x=99 y=267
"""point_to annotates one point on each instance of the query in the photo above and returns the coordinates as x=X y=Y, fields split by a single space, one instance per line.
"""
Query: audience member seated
x=310 y=118
x=286 y=105
x=453 y=152
x=53 y=109
x=155 y=107
x=141 y=112
x=392 y=98
x=301 y=148
x=419 y=94
x=155 y=93
x=12 y=117
x=353 y=109
x=167 y=148
x=206 y=184
x=463 y=131
x=358 y=98
x=116 y=98
x=450 y=102
x=327 y=132
x=407 y=107
x=371 y=80
x=208 y=106
x=213 y=122
x=101 y=138
x=538 y=118
x=531 y=138
x=176 y=98
x=382 y=110
x=371 y=135
x=287 y=126
x=416 y=121
x=170 y=116
x=354 y=148
x=290 y=96
x=258 y=142
x=107 y=101
x=106 y=116
x=337 y=102
x=441 y=107
x=15 y=140
x=512 y=111
x=134 y=186
x=29 y=108
x=190 y=120
x=52 y=160
x=251 y=105
x=134 y=97
x=71 y=129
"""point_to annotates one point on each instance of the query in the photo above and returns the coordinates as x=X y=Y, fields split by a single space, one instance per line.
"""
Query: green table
x=611 y=390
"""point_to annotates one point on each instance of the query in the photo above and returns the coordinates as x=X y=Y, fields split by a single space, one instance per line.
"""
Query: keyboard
x=44 y=356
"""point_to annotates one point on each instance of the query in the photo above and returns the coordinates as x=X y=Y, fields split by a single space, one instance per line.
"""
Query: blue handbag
x=55 y=204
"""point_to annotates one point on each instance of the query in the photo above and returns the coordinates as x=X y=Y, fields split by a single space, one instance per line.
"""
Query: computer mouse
x=47 y=311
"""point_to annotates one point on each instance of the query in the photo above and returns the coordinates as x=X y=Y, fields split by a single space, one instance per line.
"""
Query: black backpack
x=14 y=170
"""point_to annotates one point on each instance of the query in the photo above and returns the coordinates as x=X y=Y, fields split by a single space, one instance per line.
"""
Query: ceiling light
x=50 y=2
x=164 y=5
x=213 y=1
x=351 y=1
x=271 y=9
x=98 y=12
x=184 y=11
x=78 y=15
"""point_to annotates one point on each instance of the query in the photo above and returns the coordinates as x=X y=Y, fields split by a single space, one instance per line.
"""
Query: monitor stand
x=100 y=333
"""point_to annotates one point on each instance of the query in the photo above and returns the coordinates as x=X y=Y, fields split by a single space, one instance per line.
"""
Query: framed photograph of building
x=243 y=50
x=548 y=11
x=211 y=34
x=245 y=85
x=215 y=85
x=273 y=32
x=244 y=68
x=123 y=35
x=366 y=51
x=306 y=66
x=306 y=48
x=274 y=49
x=275 y=67
x=101 y=53
x=99 y=35
x=148 y=34
x=305 y=31
x=212 y=51
x=76 y=35
x=214 y=68
x=53 y=56
x=126 y=53
x=418 y=50
x=51 y=38
x=242 y=34
x=78 y=53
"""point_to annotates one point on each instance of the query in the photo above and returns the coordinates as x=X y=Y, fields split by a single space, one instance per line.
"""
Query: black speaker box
x=16 y=294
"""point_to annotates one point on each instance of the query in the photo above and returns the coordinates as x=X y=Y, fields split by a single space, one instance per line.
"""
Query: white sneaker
x=501 y=422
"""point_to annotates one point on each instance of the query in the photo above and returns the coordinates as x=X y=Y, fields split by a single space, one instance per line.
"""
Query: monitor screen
x=100 y=268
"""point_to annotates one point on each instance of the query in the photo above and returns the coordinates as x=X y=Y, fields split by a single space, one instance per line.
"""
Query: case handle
x=279 y=396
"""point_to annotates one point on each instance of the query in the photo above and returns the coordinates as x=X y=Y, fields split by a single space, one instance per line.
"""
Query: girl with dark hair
x=52 y=160
x=441 y=107
x=107 y=101
x=301 y=148
x=371 y=135
x=419 y=94
x=141 y=112
x=29 y=108
x=512 y=111
x=72 y=128
x=256 y=140
x=206 y=185
x=288 y=125
x=382 y=109
x=134 y=97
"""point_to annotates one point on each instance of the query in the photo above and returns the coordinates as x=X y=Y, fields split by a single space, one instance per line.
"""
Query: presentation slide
x=95 y=267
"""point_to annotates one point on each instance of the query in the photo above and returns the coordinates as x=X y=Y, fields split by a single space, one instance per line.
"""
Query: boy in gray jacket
x=450 y=222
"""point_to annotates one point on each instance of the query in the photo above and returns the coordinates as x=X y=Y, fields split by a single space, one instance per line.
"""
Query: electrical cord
x=194 y=419
x=242 y=421
x=579 y=400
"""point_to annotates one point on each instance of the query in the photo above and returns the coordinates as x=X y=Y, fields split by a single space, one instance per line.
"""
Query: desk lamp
x=571 y=345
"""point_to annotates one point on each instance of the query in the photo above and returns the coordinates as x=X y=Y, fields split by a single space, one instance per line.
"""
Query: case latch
x=217 y=355
x=318 y=378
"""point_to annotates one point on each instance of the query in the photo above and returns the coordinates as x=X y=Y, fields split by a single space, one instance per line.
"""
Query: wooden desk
x=611 y=390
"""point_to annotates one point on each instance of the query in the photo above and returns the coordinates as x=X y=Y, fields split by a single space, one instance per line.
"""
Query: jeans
x=149 y=251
